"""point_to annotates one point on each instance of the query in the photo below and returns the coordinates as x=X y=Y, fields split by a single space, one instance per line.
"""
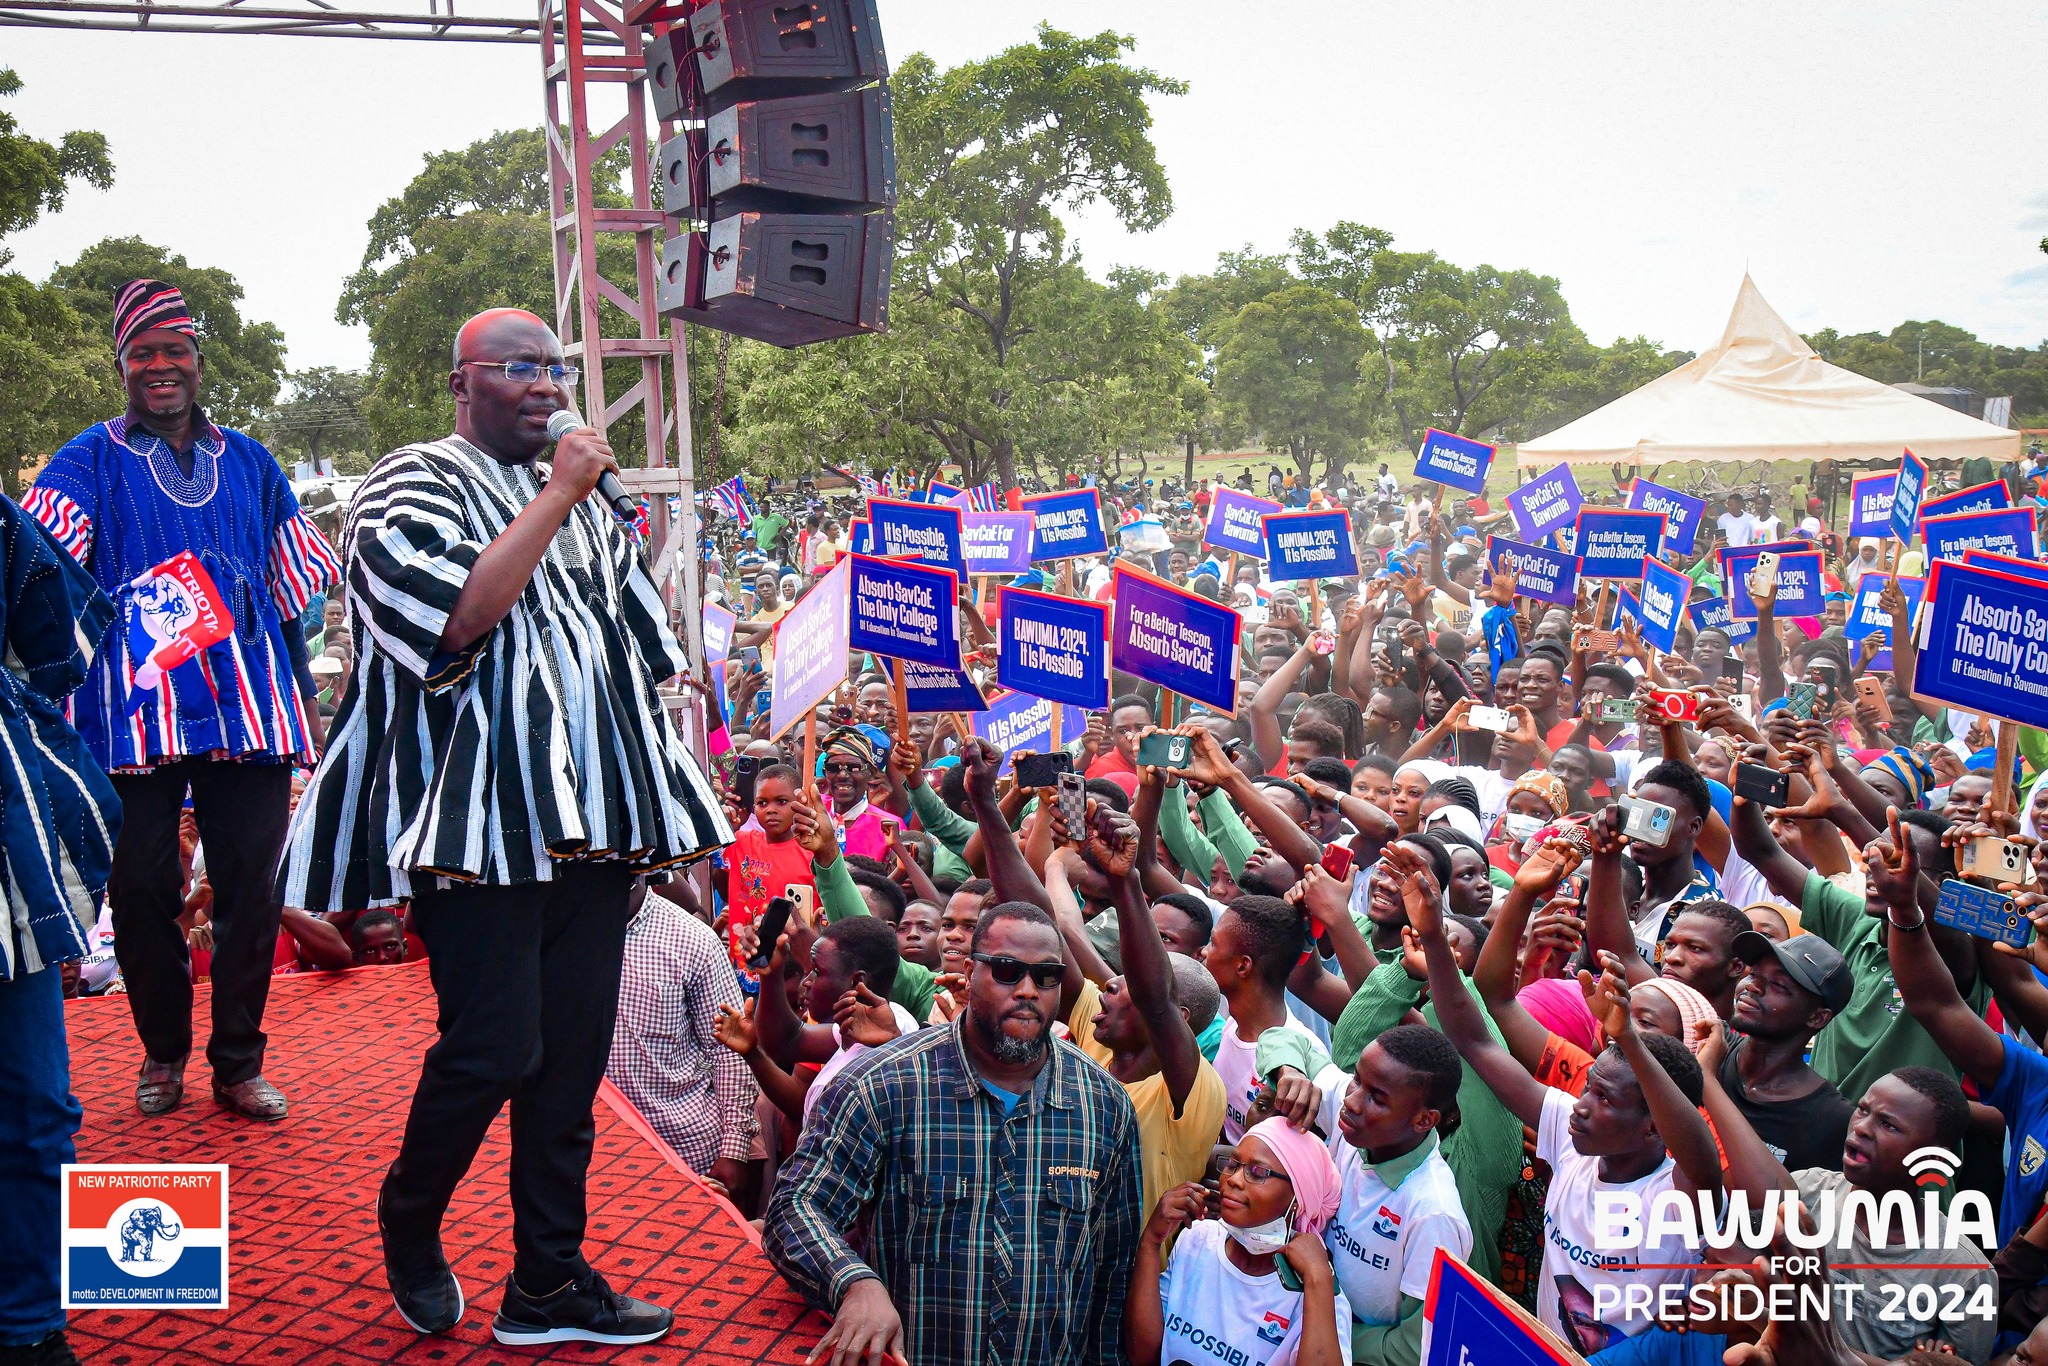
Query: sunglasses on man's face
x=850 y=770
x=1009 y=971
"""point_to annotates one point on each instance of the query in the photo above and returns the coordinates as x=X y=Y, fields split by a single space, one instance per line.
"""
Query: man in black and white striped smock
x=502 y=758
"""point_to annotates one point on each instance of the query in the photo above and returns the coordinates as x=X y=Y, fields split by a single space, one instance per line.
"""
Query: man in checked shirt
x=1000 y=1165
x=696 y=1094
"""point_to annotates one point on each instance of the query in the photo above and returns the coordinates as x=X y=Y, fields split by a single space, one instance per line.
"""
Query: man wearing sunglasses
x=504 y=762
x=1001 y=1165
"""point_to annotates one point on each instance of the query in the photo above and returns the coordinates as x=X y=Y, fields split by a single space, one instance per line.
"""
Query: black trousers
x=242 y=811
x=527 y=982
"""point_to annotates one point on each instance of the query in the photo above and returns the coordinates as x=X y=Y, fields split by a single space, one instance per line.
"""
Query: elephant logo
x=140 y=1230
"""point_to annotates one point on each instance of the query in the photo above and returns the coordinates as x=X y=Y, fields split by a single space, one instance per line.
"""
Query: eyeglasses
x=527 y=371
x=1009 y=971
x=1254 y=1171
x=850 y=770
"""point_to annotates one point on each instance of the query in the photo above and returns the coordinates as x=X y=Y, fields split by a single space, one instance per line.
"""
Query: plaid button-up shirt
x=1001 y=1239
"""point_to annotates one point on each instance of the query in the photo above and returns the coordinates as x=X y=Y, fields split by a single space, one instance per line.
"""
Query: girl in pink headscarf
x=1258 y=1279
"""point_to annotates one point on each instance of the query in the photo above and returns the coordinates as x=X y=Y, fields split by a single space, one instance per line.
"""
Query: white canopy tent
x=1761 y=393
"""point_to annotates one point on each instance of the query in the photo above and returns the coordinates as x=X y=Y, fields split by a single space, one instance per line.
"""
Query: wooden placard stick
x=2000 y=801
x=901 y=688
x=811 y=754
x=1600 y=617
x=1169 y=709
x=1066 y=578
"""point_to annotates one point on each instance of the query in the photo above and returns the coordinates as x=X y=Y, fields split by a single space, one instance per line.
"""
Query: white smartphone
x=1766 y=572
x=1497 y=719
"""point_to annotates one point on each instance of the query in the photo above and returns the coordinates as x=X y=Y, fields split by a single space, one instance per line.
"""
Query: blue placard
x=1663 y=605
x=1683 y=513
x=1455 y=460
x=937 y=493
x=1908 y=487
x=1545 y=503
x=928 y=533
x=1539 y=572
x=1183 y=643
x=1978 y=498
x=1016 y=721
x=904 y=611
x=1712 y=614
x=1984 y=643
x=1054 y=647
x=718 y=629
x=1465 y=1321
x=1309 y=545
x=1870 y=504
x=1801 y=589
x=996 y=542
x=1067 y=524
x=861 y=538
x=1866 y=617
x=929 y=689
x=1613 y=543
x=2002 y=531
x=2006 y=564
x=1236 y=522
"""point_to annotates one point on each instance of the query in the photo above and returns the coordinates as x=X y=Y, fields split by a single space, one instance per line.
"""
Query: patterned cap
x=145 y=305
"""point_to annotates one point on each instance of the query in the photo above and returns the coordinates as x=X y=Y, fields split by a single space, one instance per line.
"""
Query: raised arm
x=1494 y=974
x=1751 y=1165
x=1266 y=738
x=1686 y=1136
x=1004 y=858
x=1923 y=980
x=1148 y=972
x=1210 y=765
x=1608 y=929
x=1458 y=1014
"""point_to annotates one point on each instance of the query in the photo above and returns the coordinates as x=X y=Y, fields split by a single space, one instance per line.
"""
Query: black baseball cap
x=1807 y=958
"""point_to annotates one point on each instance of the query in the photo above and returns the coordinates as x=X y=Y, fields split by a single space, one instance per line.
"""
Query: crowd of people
x=1474 y=917
x=1374 y=979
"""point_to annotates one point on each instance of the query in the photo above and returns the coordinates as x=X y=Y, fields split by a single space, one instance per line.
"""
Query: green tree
x=1287 y=367
x=244 y=359
x=469 y=232
x=323 y=418
x=34 y=175
x=57 y=370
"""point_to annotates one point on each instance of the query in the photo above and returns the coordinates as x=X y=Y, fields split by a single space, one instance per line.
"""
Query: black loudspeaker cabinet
x=819 y=152
x=802 y=154
x=751 y=49
x=787 y=279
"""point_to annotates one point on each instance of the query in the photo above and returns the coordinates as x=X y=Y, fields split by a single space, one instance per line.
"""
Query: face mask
x=1520 y=827
x=1263 y=1240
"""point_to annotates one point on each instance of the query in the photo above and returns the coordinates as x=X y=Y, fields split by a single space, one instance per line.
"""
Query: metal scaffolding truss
x=581 y=76
x=436 y=21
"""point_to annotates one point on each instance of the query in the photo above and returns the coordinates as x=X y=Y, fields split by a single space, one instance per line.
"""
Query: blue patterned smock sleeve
x=58 y=813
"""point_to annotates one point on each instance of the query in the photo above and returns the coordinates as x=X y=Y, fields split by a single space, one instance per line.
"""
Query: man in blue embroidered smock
x=504 y=760
x=125 y=497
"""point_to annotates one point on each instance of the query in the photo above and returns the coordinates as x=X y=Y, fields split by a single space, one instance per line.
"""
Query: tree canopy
x=34 y=175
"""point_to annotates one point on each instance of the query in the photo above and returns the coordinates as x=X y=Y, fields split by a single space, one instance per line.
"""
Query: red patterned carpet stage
x=306 y=1280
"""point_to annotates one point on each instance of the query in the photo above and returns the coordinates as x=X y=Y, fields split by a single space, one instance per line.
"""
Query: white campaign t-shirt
x=1384 y=1240
x=1217 y=1315
x=1493 y=790
x=1739 y=528
x=1572 y=1266
x=1237 y=1064
x=905 y=1024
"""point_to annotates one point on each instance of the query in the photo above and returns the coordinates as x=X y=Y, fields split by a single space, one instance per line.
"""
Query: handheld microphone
x=565 y=421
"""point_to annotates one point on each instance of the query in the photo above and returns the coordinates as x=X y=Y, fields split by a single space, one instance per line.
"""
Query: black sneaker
x=422 y=1286
x=51 y=1351
x=587 y=1310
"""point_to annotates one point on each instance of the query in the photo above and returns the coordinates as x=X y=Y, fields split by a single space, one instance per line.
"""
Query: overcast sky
x=1867 y=162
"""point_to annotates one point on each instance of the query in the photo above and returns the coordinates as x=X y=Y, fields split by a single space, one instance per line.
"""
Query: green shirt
x=1874 y=1034
x=768 y=530
x=949 y=830
x=1485 y=1154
